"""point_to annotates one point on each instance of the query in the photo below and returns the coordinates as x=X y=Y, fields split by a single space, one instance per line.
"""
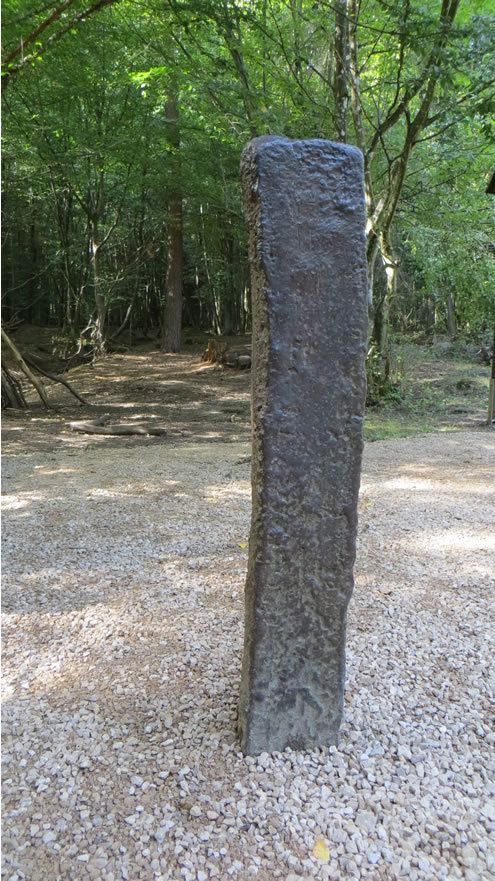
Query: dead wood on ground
x=103 y=425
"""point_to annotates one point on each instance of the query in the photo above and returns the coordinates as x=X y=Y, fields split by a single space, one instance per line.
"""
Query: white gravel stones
x=123 y=580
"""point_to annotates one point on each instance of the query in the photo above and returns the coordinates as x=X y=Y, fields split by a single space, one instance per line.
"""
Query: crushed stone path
x=123 y=579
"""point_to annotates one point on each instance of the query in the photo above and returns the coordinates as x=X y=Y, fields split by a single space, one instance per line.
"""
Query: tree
x=122 y=145
x=172 y=314
x=87 y=128
x=29 y=47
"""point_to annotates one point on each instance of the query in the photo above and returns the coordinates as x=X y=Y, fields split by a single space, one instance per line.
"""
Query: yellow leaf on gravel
x=243 y=544
x=321 y=851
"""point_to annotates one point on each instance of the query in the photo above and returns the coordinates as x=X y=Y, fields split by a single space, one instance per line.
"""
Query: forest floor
x=438 y=391
x=124 y=568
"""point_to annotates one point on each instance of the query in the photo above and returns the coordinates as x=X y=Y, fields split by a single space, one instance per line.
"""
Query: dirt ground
x=194 y=400
x=124 y=566
x=437 y=391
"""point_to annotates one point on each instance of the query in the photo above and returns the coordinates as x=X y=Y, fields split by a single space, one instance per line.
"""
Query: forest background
x=123 y=124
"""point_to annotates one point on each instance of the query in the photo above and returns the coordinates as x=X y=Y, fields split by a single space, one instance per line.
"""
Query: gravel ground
x=123 y=580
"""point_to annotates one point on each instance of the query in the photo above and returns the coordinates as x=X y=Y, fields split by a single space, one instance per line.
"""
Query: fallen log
x=103 y=425
x=219 y=353
x=12 y=393
x=215 y=352
x=31 y=362
x=23 y=367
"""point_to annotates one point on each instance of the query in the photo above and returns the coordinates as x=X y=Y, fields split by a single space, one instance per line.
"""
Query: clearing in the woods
x=441 y=391
x=124 y=568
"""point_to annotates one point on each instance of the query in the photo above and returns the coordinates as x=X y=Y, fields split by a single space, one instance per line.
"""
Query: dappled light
x=456 y=542
x=193 y=406
x=11 y=503
x=125 y=624
x=242 y=238
x=428 y=486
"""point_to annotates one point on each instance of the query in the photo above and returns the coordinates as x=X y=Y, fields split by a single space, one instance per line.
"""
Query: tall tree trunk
x=172 y=312
x=430 y=315
x=228 y=287
x=491 y=393
x=451 y=317
x=230 y=25
x=297 y=66
x=381 y=306
x=341 y=69
x=381 y=212
x=100 y=300
x=34 y=262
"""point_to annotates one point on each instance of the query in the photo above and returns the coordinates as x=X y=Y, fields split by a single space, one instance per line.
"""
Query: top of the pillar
x=271 y=145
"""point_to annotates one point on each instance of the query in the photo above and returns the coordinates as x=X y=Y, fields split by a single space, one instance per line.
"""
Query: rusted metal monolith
x=305 y=211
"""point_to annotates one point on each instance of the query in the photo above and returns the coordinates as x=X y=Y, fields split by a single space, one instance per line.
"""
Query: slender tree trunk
x=451 y=317
x=430 y=316
x=63 y=202
x=68 y=318
x=264 y=49
x=172 y=312
x=34 y=262
x=23 y=367
x=12 y=393
x=231 y=32
x=216 y=322
x=491 y=392
x=297 y=65
x=100 y=300
x=381 y=211
x=341 y=69
x=228 y=289
x=65 y=224
x=381 y=307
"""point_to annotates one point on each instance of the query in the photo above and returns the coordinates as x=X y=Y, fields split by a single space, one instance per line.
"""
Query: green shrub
x=383 y=377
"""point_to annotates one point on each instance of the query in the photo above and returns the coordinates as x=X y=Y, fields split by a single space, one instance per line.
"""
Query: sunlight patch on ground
x=13 y=503
x=127 y=627
x=241 y=489
x=41 y=469
x=418 y=485
x=16 y=502
x=452 y=539
x=132 y=489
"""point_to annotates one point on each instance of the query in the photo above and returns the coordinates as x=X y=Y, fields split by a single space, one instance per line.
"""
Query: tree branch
x=9 y=71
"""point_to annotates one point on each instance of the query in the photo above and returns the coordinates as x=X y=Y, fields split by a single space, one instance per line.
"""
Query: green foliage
x=86 y=135
x=448 y=242
x=439 y=392
x=383 y=385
